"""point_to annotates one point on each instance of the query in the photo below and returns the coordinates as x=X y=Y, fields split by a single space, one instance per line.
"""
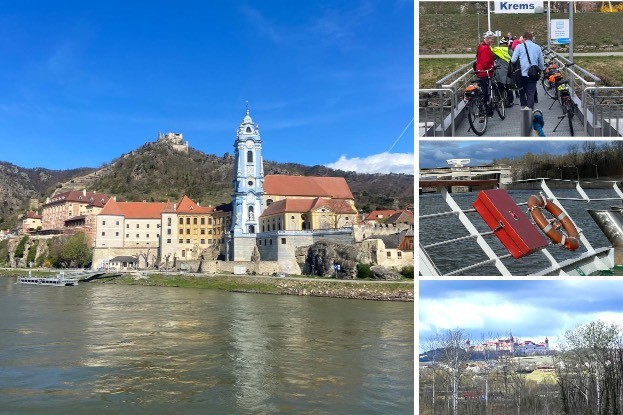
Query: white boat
x=59 y=280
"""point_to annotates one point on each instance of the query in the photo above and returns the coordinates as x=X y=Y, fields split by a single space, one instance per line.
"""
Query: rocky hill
x=18 y=185
x=157 y=172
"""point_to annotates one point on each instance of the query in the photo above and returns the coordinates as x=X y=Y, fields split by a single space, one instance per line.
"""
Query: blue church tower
x=248 y=202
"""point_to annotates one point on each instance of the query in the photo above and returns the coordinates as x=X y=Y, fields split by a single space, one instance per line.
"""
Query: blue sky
x=329 y=82
x=435 y=153
x=530 y=309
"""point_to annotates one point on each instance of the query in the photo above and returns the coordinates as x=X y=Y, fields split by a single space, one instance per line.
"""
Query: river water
x=461 y=254
x=109 y=349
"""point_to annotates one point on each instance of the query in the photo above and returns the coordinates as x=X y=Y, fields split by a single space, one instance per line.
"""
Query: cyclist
x=527 y=96
x=485 y=62
x=502 y=59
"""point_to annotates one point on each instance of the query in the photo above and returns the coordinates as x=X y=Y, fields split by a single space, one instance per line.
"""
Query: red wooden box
x=516 y=232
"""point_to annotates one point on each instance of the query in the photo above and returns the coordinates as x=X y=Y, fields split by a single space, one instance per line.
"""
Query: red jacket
x=484 y=60
x=515 y=43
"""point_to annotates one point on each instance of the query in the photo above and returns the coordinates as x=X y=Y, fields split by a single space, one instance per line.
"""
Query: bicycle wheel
x=499 y=97
x=569 y=114
x=550 y=90
x=477 y=115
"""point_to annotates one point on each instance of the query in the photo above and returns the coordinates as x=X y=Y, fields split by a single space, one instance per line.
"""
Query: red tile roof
x=134 y=210
x=380 y=214
x=33 y=215
x=187 y=205
x=335 y=187
x=80 y=196
x=307 y=205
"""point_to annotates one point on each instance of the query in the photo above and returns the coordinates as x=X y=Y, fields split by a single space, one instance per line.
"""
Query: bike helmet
x=503 y=41
x=488 y=33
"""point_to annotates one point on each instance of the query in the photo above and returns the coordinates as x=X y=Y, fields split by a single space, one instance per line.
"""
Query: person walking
x=485 y=62
x=528 y=54
x=503 y=59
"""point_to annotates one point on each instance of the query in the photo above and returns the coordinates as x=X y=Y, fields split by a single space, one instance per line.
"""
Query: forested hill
x=18 y=185
x=157 y=172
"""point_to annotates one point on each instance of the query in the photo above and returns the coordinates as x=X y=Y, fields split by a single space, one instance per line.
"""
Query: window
x=180 y=241
x=103 y=222
x=127 y=235
x=148 y=226
x=283 y=241
x=389 y=254
x=271 y=241
x=249 y=156
x=203 y=231
x=117 y=223
x=168 y=221
x=194 y=221
x=158 y=225
x=137 y=226
x=181 y=221
x=268 y=202
x=209 y=231
x=127 y=226
x=168 y=241
x=183 y=254
x=188 y=231
x=137 y=236
x=181 y=231
x=209 y=221
x=187 y=221
x=399 y=254
x=203 y=241
x=116 y=233
x=103 y=234
x=168 y=231
x=187 y=241
x=147 y=236
x=203 y=221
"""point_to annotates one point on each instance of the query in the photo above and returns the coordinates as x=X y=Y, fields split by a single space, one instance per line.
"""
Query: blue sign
x=563 y=40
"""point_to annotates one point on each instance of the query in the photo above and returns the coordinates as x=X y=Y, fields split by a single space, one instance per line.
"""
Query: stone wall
x=227 y=267
x=361 y=232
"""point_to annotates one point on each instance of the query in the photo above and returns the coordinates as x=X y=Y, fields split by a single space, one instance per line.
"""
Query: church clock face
x=250 y=143
x=249 y=170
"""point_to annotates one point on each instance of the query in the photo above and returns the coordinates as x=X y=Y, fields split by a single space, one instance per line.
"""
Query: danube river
x=109 y=349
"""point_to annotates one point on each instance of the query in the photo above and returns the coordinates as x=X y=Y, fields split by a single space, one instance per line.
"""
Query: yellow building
x=201 y=230
x=299 y=203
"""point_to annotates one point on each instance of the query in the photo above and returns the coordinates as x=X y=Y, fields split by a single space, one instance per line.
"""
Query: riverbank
x=318 y=287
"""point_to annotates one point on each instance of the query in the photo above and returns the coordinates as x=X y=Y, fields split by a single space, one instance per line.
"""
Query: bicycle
x=561 y=94
x=477 y=107
x=549 y=83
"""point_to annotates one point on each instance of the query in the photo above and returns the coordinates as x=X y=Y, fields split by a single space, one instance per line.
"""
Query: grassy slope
x=456 y=33
x=609 y=69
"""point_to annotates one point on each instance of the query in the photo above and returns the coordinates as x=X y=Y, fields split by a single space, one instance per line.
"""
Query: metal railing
x=437 y=112
x=591 y=260
x=441 y=109
x=604 y=111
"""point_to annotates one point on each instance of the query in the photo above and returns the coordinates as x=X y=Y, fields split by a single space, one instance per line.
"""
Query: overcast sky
x=530 y=309
x=329 y=82
x=435 y=153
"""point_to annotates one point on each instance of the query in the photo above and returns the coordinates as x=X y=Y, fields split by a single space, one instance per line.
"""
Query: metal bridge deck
x=511 y=127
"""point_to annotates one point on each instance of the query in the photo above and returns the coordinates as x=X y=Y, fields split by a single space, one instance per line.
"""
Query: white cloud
x=377 y=163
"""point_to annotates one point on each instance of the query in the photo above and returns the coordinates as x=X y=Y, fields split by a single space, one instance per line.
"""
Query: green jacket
x=501 y=52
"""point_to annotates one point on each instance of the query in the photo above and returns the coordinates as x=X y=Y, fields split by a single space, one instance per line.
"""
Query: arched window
x=248 y=130
x=251 y=229
x=249 y=156
x=268 y=202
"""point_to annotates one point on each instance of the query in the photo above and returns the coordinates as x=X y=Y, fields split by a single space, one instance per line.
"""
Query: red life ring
x=570 y=238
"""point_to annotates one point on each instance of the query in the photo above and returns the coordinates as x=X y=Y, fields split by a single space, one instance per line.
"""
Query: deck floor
x=511 y=127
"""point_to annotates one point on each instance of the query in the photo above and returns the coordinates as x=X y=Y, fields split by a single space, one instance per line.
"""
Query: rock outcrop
x=321 y=257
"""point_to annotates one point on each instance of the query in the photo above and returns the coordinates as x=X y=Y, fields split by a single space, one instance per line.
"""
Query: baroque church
x=272 y=215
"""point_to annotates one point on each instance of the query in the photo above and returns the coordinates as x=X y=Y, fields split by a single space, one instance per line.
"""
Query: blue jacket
x=536 y=56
